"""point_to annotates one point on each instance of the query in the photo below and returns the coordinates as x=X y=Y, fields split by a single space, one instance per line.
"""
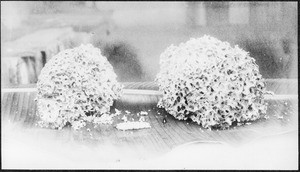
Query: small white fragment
x=280 y=117
x=126 y=111
x=144 y=113
x=269 y=92
x=132 y=125
x=248 y=123
x=118 y=112
x=142 y=119
x=88 y=130
x=124 y=118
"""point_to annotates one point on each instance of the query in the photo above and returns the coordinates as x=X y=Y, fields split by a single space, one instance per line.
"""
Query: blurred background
x=132 y=35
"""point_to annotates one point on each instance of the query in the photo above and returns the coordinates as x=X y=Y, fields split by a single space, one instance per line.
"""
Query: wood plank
x=172 y=124
x=162 y=128
x=18 y=108
x=279 y=86
x=183 y=127
x=145 y=139
x=33 y=119
x=148 y=138
x=133 y=136
x=13 y=106
x=117 y=134
x=160 y=137
x=26 y=107
x=23 y=105
x=30 y=111
x=5 y=102
x=158 y=142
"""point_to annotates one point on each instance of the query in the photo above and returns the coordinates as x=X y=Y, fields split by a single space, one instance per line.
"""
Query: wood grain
x=278 y=86
x=20 y=107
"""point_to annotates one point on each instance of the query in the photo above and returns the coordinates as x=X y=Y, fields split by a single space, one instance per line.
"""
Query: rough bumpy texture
x=211 y=83
x=75 y=86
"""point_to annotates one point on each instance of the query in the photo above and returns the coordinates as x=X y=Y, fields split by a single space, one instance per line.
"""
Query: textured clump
x=211 y=83
x=76 y=86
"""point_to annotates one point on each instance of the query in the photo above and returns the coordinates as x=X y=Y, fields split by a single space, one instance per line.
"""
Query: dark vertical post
x=43 y=58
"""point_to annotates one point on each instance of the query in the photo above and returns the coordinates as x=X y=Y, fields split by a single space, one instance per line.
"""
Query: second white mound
x=211 y=83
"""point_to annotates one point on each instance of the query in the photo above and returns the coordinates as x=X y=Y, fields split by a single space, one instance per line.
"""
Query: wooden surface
x=278 y=86
x=20 y=108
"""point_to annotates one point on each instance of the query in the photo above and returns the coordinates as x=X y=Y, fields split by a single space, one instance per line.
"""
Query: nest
x=76 y=86
x=210 y=82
